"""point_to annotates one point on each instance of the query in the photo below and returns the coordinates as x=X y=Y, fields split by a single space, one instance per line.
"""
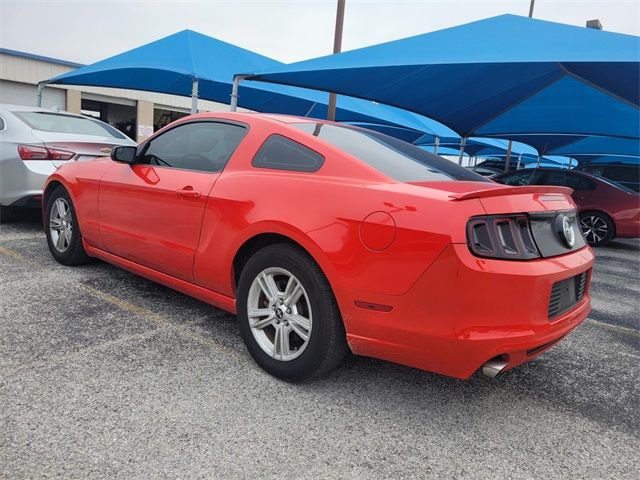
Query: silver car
x=35 y=141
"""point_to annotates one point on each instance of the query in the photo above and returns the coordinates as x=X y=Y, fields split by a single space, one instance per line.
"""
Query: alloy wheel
x=279 y=313
x=594 y=228
x=61 y=225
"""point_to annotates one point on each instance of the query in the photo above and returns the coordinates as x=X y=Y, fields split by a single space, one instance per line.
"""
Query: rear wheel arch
x=260 y=241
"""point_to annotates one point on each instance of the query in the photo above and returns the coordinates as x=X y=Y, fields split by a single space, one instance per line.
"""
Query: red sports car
x=326 y=239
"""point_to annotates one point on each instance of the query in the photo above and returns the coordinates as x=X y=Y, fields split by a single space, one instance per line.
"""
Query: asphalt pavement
x=104 y=374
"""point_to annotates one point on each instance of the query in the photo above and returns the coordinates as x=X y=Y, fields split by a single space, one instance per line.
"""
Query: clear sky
x=288 y=30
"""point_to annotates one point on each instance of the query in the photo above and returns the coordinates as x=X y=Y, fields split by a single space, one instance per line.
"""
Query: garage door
x=25 y=94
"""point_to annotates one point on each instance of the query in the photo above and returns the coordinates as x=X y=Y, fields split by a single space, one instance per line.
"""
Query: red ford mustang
x=325 y=238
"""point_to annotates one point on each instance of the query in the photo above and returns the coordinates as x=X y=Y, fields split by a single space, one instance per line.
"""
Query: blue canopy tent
x=502 y=77
x=484 y=148
x=601 y=146
x=608 y=159
x=188 y=63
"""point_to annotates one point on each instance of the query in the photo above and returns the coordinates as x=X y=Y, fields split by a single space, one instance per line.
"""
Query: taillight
x=56 y=154
x=502 y=236
x=31 y=152
x=34 y=152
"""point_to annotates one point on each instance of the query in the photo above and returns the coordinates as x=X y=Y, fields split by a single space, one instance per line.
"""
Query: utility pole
x=337 y=46
x=533 y=2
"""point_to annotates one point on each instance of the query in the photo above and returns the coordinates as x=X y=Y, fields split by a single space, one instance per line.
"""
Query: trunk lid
x=497 y=198
x=85 y=147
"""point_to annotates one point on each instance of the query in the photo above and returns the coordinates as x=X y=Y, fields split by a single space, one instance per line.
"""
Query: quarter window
x=201 y=146
x=281 y=153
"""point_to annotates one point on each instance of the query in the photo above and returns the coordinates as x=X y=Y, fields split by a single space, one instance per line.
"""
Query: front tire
x=598 y=229
x=63 y=232
x=288 y=315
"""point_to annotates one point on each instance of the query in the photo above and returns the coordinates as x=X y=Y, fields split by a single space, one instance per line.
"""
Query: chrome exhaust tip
x=494 y=366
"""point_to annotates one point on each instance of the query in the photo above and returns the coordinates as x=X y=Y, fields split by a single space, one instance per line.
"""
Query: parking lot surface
x=105 y=374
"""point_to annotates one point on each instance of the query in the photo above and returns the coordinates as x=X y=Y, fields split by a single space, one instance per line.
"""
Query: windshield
x=396 y=159
x=58 y=122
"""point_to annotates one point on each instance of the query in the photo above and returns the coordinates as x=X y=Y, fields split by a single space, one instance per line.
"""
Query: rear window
x=528 y=176
x=395 y=158
x=58 y=122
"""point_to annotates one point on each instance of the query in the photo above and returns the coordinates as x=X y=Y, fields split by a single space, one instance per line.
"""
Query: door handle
x=188 y=192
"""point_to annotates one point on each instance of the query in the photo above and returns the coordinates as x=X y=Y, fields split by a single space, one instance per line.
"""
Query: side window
x=280 y=153
x=623 y=174
x=559 y=178
x=519 y=178
x=597 y=171
x=585 y=184
x=573 y=181
x=201 y=146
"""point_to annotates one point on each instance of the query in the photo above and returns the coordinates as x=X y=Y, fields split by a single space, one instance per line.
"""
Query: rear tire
x=288 y=315
x=62 y=229
x=597 y=227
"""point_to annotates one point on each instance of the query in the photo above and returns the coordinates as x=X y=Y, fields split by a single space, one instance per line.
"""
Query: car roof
x=25 y=108
x=289 y=118
x=611 y=164
x=247 y=116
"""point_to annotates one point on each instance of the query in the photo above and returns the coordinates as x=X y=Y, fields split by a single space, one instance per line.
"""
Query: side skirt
x=213 y=298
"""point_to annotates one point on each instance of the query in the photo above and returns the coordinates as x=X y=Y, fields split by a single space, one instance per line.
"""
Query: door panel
x=152 y=215
x=151 y=212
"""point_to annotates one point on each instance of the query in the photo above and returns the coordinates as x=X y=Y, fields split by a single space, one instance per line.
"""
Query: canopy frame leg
x=41 y=86
x=194 y=97
x=463 y=144
x=437 y=144
x=233 y=106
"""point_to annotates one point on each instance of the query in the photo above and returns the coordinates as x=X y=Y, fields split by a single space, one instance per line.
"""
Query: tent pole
x=337 y=46
x=463 y=143
x=437 y=144
x=234 y=91
x=519 y=160
x=39 y=93
x=194 y=96
x=507 y=162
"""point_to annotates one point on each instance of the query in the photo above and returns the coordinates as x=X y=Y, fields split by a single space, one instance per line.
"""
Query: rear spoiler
x=504 y=190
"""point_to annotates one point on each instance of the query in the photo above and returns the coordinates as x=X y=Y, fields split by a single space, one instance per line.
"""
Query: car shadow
x=630 y=245
x=28 y=220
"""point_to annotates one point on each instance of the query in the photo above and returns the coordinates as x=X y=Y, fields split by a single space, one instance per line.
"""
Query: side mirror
x=124 y=154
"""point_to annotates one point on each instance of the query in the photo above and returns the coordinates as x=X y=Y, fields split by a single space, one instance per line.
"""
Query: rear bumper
x=628 y=227
x=21 y=181
x=464 y=311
